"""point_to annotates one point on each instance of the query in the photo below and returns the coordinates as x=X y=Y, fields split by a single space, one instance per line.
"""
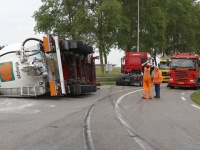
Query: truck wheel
x=75 y=89
x=84 y=89
x=197 y=85
x=141 y=82
x=119 y=80
x=172 y=87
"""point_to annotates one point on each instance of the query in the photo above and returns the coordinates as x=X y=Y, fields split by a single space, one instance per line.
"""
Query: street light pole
x=138 y=27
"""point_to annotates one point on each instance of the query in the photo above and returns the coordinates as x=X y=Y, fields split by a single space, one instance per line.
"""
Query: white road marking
x=88 y=142
x=141 y=142
x=183 y=93
x=183 y=98
x=195 y=106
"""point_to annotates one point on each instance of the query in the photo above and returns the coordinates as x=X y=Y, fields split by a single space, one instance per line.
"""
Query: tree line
x=165 y=26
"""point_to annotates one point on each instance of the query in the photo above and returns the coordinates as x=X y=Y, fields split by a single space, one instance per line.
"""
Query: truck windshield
x=181 y=62
x=163 y=65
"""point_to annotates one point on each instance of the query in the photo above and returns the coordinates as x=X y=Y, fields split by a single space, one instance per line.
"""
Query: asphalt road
x=113 y=118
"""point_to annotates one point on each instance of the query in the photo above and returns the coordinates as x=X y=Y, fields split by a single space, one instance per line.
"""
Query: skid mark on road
x=88 y=142
x=17 y=107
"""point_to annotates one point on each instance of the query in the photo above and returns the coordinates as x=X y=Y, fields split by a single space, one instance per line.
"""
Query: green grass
x=196 y=97
x=108 y=83
x=115 y=71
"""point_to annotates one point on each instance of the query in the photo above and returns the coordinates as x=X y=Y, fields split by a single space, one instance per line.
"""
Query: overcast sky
x=17 y=23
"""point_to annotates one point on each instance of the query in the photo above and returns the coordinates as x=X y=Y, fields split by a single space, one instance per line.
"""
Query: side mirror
x=159 y=65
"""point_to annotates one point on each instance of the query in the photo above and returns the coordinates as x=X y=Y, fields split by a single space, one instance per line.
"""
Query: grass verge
x=108 y=83
x=196 y=97
x=115 y=71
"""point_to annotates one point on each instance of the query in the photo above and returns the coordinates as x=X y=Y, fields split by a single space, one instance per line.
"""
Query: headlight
x=170 y=79
x=192 y=81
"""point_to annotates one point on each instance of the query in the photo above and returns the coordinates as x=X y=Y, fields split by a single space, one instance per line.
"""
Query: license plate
x=180 y=82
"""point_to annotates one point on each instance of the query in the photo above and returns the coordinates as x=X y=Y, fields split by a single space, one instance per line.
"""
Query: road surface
x=113 y=118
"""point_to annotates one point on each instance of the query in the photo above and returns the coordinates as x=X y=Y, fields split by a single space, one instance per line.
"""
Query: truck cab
x=164 y=66
x=184 y=70
x=131 y=68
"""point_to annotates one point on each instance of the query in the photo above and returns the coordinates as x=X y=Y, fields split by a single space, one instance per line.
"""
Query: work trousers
x=157 y=89
x=147 y=85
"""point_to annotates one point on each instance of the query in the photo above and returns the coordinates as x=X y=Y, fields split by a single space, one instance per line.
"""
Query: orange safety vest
x=157 y=77
x=147 y=71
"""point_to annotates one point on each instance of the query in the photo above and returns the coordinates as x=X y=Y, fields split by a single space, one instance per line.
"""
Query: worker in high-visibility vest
x=157 y=80
x=147 y=84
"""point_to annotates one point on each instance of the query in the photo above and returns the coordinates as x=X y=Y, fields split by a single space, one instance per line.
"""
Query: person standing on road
x=157 y=80
x=147 y=79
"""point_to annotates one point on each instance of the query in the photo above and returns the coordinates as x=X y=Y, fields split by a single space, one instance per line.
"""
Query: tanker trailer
x=49 y=66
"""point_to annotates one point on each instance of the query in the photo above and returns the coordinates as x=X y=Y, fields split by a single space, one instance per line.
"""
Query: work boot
x=158 y=97
x=143 y=97
x=150 y=97
x=155 y=96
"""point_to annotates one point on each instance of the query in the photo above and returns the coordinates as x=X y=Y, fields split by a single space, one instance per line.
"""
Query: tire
x=197 y=85
x=119 y=80
x=94 y=88
x=75 y=89
x=90 y=88
x=141 y=82
x=172 y=87
x=84 y=89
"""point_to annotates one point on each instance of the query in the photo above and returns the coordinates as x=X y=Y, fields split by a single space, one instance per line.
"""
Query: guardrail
x=105 y=79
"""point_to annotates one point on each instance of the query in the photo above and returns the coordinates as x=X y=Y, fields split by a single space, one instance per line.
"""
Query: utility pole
x=138 y=27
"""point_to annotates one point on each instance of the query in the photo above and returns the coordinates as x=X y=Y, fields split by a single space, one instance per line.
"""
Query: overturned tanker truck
x=49 y=66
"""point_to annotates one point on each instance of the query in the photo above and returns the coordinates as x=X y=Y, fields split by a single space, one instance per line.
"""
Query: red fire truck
x=184 y=70
x=131 y=68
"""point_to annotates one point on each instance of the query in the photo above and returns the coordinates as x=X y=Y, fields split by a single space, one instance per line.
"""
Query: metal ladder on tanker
x=19 y=91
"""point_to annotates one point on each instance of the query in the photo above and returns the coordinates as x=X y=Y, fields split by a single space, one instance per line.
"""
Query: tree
x=182 y=26
x=108 y=20
x=165 y=25
x=96 y=22
x=152 y=26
